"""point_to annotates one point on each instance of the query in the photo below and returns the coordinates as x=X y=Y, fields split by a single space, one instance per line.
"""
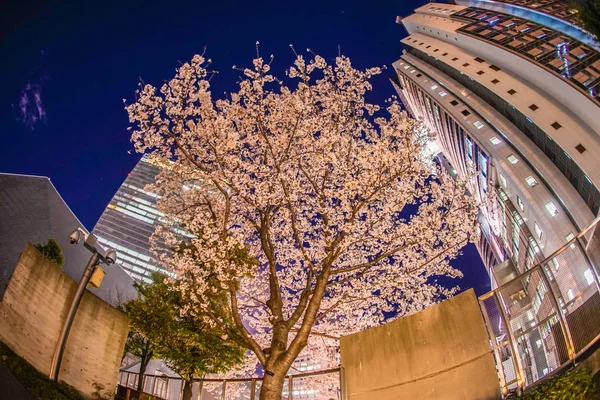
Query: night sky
x=66 y=69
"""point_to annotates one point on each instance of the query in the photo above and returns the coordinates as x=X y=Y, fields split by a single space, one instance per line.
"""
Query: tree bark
x=145 y=359
x=272 y=387
x=187 y=390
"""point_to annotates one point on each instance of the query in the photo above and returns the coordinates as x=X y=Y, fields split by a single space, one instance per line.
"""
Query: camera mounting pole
x=98 y=255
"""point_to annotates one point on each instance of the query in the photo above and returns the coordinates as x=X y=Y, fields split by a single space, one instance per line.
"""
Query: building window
x=495 y=141
x=495 y=68
x=502 y=179
x=535 y=248
x=580 y=148
x=478 y=124
x=556 y=125
x=480 y=72
x=533 y=107
x=442 y=93
x=495 y=81
x=512 y=159
x=479 y=59
x=434 y=87
x=518 y=221
x=469 y=148
x=538 y=230
x=512 y=91
x=455 y=58
x=531 y=181
x=589 y=276
x=465 y=113
x=570 y=237
x=520 y=203
x=454 y=102
x=483 y=163
x=551 y=208
x=502 y=195
x=419 y=75
x=466 y=64
x=445 y=54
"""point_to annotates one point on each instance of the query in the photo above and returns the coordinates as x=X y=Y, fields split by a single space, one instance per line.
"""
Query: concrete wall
x=442 y=352
x=32 y=312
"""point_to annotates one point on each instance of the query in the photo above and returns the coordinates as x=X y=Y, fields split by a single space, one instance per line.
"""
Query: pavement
x=10 y=388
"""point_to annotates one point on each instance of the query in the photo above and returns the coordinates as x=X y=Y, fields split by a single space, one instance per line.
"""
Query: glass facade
x=129 y=221
x=577 y=63
x=462 y=153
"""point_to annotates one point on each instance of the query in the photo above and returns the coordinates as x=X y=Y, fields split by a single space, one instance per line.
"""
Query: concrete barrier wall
x=33 y=310
x=442 y=352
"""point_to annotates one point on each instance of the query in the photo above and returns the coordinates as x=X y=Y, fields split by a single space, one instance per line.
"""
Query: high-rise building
x=130 y=219
x=511 y=91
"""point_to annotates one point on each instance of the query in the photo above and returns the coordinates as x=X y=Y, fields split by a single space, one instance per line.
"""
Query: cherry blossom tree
x=326 y=191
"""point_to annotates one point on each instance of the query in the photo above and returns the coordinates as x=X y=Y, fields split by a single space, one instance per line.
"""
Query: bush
x=52 y=252
x=37 y=383
x=576 y=384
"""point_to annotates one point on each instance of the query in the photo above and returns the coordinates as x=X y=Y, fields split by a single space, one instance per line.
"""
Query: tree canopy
x=190 y=346
x=329 y=193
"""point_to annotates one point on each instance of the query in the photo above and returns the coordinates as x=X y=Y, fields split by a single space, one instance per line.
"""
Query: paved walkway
x=10 y=388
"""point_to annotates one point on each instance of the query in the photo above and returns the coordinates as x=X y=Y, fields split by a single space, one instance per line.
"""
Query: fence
x=318 y=385
x=545 y=318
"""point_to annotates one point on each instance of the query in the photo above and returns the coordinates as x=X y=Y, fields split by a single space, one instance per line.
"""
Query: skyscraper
x=511 y=91
x=129 y=221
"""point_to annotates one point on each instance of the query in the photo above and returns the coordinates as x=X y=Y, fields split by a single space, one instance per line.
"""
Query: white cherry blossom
x=327 y=192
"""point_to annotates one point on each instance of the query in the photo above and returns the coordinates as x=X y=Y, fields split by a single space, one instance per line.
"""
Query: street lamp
x=98 y=255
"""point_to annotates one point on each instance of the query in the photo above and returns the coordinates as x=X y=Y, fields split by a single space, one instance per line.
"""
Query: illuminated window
x=442 y=93
x=502 y=179
x=570 y=237
x=589 y=276
x=538 y=230
x=533 y=246
x=520 y=203
x=502 y=195
x=512 y=159
x=570 y=294
x=551 y=208
x=495 y=141
x=478 y=124
x=469 y=148
x=434 y=87
x=531 y=181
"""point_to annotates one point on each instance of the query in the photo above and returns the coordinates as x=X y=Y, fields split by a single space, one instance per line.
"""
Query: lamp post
x=98 y=255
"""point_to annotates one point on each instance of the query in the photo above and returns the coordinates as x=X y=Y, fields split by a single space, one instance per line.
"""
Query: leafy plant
x=52 y=252
x=187 y=343
x=576 y=384
x=588 y=15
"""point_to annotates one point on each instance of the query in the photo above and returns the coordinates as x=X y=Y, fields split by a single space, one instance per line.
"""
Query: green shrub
x=576 y=384
x=52 y=252
x=37 y=383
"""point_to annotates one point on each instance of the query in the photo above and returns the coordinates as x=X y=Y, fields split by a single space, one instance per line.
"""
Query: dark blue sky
x=66 y=69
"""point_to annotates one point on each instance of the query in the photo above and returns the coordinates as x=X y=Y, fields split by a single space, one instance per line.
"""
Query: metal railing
x=544 y=319
x=317 y=385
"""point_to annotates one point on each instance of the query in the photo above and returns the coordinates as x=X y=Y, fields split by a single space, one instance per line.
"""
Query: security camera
x=75 y=236
x=111 y=256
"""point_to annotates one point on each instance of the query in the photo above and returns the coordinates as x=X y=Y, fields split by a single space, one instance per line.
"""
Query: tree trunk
x=143 y=364
x=272 y=387
x=187 y=390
